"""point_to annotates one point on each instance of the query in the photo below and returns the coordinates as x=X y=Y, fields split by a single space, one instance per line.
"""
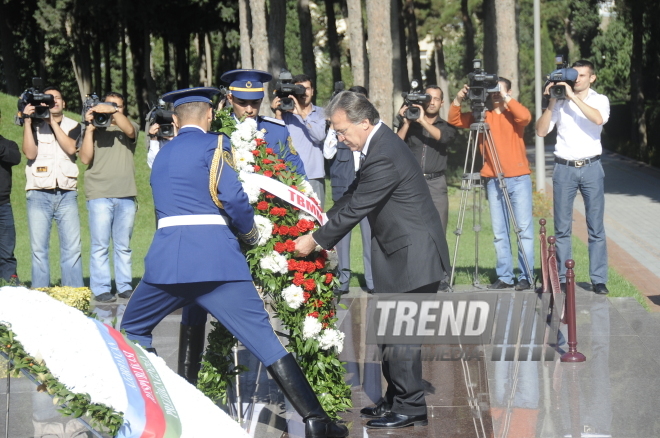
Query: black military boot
x=191 y=347
x=299 y=392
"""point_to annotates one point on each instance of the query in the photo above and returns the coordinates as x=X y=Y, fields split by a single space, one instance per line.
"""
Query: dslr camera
x=163 y=117
x=562 y=74
x=101 y=120
x=284 y=88
x=34 y=96
x=415 y=96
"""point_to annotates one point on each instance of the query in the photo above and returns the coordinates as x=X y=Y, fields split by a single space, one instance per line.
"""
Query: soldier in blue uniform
x=246 y=92
x=195 y=256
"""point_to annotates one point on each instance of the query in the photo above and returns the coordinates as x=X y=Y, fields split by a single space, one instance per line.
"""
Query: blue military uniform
x=195 y=255
x=278 y=138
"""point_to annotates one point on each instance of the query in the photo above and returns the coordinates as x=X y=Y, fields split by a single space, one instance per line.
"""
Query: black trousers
x=402 y=369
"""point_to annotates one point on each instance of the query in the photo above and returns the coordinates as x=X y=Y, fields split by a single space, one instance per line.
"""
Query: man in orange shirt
x=507 y=119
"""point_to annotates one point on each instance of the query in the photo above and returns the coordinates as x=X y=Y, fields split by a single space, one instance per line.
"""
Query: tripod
x=471 y=182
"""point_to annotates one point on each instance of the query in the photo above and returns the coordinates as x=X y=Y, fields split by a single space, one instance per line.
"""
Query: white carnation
x=306 y=188
x=331 y=338
x=293 y=295
x=265 y=227
x=242 y=137
x=251 y=189
x=242 y=159
x=332 y=261
x=274 y=262
x=311 y=327
x=306 y=216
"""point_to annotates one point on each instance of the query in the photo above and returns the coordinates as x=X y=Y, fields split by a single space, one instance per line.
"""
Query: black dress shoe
x=392 y=420
x=600 y=288
x=499 y=284
x=370 y=291
x=523 y=285
x=381 y=408
x=339 y=292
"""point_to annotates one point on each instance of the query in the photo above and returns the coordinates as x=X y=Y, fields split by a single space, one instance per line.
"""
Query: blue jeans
x=7 y=242
x=110 y=218
x=520 y=193
x=42 y=207
x=590 y=180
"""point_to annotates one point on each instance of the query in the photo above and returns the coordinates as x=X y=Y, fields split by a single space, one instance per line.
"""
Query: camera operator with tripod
x=428 y=137
x=49 y=144
x=579 y=118
x=506 y=119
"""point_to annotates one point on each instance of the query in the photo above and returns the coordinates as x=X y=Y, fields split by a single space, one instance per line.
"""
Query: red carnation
x=278 y=211
x=269 y=196
x=266 y=160
x=268 y=173
x=294 y=231
x=310 y=267
x=328 y=278
x=284 y=230
x=260 y=141
x=306 y=296
x=275 y=227
x=290 y=245
x=257 y=168
x=263 y=205
x=280 y=247
x=325 y=325
x=309 y=284
x=293 y=265
x=280 y=160
x=319 y=304
x=313 y=314
x=255 y=153
x=279 y=166
x=319 y=263
x=298 y=278
x=269 y=150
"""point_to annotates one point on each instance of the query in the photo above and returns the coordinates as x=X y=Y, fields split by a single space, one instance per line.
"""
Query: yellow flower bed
x=76 y=297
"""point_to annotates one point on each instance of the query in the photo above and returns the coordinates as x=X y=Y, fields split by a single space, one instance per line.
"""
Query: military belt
x=192 y=219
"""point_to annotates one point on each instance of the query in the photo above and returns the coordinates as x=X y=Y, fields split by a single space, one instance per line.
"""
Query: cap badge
x=248 y=84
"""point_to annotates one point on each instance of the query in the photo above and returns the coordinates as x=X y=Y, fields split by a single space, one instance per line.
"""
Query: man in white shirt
x=579 y=119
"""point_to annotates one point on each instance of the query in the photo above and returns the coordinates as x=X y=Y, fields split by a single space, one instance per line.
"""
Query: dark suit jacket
x=408 y=247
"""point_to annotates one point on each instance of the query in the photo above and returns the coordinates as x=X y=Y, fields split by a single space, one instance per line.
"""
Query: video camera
x=415 y=96
x=34 y=96
x=163 y=117
x=562 y=74
x=339 y=87
x=284 y=88
x=481 y=83
x=101 y=120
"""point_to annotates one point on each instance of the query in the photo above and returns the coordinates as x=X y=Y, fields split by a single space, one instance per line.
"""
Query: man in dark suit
x=409 y=250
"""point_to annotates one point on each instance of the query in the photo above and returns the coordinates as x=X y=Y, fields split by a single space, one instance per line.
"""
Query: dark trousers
x=402 y=369
x=438 y=189
x=7 y=242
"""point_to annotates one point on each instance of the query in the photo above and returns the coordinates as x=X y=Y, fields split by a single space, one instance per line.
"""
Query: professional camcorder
x=481 y=83
x=285 y=88
x=415 y=96
x=164 y=119
x=34 y=96
x=561 y=74
x=101 y=120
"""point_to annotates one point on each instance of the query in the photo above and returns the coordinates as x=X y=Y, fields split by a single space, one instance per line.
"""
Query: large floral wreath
x=300 y=288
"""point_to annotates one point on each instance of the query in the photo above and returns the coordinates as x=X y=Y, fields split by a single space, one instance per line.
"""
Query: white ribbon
x=287 y=194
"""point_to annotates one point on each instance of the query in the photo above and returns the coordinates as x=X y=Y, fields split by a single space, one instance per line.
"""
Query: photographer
x=579 y=119
x=51 y=182
x=9 y=156
x=307 y=127
x=155 y=143
x=110 y=190
x=428 y=138
x=507 y=119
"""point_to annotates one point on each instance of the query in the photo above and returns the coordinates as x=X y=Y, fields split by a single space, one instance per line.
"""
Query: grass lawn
x=145 y=227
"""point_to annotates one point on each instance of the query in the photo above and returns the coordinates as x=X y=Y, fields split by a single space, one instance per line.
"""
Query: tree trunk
x=307 y=39
x=639 y=137
x=276 y=34
x=182 y=71
x=380 y=52
x=107 y=87
x=209 y=60
x=359 y=60
x=167 y=63
x=124 y=64
x=469 y=37
x=96 y=51
x=413 y=39
x=333 y=41
x=7 y=46
x=490 y=36
x=140 y=58
x=260 y=40
x=399 y=56
x=441 y=76
x=199 y=64
x=244 y=25
x=507 y=54
x=572 y=49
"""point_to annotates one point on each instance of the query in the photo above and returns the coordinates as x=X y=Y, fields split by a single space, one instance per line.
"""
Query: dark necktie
x=362 y=158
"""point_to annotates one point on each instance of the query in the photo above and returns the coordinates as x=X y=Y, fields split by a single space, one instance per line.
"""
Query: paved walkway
x=632 y=209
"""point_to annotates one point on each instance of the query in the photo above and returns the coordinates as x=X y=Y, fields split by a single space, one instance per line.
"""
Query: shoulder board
x=214 y=133
x=273 y=120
